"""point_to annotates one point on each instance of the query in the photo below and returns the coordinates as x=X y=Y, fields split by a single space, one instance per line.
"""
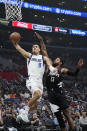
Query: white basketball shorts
x=34 y=85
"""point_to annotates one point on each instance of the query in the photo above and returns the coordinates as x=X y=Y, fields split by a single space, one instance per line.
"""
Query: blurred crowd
x=14 y=97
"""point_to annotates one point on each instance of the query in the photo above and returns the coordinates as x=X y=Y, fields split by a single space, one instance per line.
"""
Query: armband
x=51 y=68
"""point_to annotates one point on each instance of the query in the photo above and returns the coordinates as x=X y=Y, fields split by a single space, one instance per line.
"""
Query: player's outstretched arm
x=43 y=47
x=21 y=50
x=73 y=73
x=49 y=64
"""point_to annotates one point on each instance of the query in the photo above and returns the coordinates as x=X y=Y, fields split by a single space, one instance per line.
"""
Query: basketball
x=15 y=37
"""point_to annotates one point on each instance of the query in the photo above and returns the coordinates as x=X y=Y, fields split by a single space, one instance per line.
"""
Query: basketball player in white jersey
x=35 y=67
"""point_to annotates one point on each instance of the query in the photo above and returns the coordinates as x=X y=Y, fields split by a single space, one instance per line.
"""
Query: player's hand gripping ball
x=15 y=37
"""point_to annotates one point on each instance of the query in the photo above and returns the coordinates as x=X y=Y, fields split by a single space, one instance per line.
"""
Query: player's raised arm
x=15 y=38
x=73 y=73
x=22 y=51
x=49 y=64
x=43 y=47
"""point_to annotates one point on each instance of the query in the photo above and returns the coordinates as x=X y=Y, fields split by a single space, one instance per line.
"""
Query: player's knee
x=38 y=94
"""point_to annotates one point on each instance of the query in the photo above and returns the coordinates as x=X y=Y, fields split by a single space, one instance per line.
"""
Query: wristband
x=51 y=68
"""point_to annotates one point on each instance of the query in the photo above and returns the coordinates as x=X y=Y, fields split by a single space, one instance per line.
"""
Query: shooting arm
x=22 y=51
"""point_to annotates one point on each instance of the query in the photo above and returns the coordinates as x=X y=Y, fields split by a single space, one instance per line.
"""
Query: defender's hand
x=38 y=36
x=80 y=63
x=13 y=42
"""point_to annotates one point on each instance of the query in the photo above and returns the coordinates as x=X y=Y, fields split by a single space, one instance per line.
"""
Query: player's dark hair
x=62 y=61
x=55 y=64
x=36 y=43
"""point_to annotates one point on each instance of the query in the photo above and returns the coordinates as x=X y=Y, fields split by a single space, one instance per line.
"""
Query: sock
x=27 y=108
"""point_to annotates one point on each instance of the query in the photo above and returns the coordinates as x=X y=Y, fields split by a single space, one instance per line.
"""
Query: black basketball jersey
x=56 y=95
x=54 y=82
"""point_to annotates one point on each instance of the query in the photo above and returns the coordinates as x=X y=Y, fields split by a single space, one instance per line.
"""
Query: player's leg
x=61 y=121
x=37 y=94
x=63 y=103
x=33 y=102
x=67 y=114
x=34 y=106
x=56 y=110
x=36 y=89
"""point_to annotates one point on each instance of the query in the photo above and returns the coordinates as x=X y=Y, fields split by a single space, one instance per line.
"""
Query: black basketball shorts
x=60 y=100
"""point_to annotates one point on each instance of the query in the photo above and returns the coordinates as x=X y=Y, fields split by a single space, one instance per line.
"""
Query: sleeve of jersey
x=75 y=73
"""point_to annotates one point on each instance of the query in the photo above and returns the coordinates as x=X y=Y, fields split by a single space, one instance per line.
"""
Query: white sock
x=27 y=108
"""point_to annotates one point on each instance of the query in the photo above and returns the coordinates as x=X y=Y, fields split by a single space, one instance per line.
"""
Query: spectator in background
x=7 y=120
x=41 y=127
x=83 y=121
x=56 y=123
x=14 y=122
x=34 y=122
x=1 y=118
x=77 y=124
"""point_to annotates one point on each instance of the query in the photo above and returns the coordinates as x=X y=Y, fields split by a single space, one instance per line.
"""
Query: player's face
x=36 y=49
x=57 y=61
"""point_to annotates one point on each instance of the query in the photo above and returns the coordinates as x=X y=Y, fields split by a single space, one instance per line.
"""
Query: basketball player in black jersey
x=55 y=86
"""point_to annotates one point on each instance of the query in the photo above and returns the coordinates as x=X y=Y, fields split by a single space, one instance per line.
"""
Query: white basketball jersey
x=35 y=67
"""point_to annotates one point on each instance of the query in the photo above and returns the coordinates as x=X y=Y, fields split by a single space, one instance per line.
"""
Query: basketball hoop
x=13 y=9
